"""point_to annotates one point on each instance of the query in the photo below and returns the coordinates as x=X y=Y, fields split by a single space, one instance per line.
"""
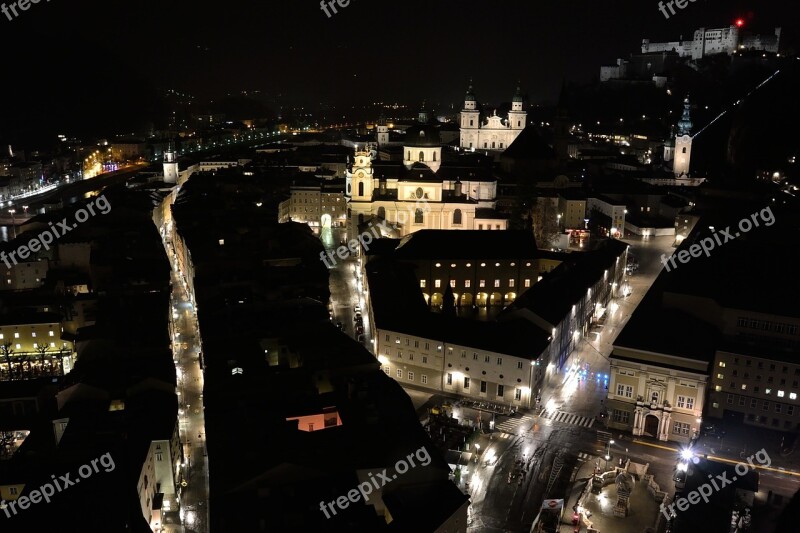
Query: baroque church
x=433 y=188
x=495 y=132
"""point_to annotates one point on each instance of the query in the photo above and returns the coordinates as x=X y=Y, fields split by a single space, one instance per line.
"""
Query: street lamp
x=13 y=221
x=608 y=452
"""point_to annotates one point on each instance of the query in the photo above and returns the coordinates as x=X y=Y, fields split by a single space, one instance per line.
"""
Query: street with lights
x=186 y=350
x=537 y=454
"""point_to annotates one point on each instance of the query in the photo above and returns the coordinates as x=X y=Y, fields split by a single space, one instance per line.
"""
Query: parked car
x=680 y=479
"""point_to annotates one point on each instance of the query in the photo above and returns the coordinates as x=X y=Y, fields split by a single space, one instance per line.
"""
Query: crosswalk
x=567 y=418
x=512 y=425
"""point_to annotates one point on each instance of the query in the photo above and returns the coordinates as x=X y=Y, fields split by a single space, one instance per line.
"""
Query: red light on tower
x=739 y=23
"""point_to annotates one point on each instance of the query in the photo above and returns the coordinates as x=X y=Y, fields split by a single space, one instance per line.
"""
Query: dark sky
x=66 y=59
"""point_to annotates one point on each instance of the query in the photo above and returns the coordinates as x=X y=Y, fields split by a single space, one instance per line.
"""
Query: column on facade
x=663 y=432
x=637 y=421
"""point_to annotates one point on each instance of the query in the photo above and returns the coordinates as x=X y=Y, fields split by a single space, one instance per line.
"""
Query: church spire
x=685 y=123
x=518 y=94
x=470 y=96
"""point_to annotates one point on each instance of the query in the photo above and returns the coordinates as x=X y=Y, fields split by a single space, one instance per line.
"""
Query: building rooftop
x=467 y=244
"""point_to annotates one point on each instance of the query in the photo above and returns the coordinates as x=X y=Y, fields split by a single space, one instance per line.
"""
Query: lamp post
x=608 y=452
x=13 y=221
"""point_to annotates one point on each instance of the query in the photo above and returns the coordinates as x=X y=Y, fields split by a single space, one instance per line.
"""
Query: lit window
x=52 y=345
x=19 y=346
x=16 y=335
x=722 y=364
x=437 y=283
x=792 y=395
x=482 y=283
x=467 y=283
x=496 y=283
x=51 y=333
x=33 y=334
x=780 y=394
x=422 y=283
x=528 y=283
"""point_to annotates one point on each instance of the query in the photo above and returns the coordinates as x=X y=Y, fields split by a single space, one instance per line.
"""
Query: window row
x=468 y=283
x=33 y=334
x=500 y=391
x=765 y=404
x=766 y=325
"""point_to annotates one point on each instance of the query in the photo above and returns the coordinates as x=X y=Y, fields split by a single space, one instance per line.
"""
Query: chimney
x=457 y=188
x=383 y=185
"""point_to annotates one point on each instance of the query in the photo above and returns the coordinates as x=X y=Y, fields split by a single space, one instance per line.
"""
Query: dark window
x=457 y=216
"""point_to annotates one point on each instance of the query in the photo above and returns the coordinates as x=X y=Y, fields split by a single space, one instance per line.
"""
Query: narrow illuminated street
x=186 y=349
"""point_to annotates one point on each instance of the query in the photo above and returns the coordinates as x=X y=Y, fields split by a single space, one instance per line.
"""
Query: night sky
x=73 y=66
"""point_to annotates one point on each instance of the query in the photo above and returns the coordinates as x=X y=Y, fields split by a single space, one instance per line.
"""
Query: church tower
x=170 y=165
x=669 y=146
x=361 y=177
x=470 y=120
x=561 y=134
x=516 y=117
x=383 y=132
x=683 y=143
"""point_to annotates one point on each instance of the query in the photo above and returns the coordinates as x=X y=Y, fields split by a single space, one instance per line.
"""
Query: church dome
x=422 y=135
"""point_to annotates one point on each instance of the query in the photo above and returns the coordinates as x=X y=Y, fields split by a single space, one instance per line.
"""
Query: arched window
x=434 y=156
x=361 y=189
x=409 y=156
x=382 y=213
x=419 y=217
x=684 y=150
x=421 y=155
x=457 y=217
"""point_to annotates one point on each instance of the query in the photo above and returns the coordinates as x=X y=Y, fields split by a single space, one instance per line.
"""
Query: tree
x=42 y=349
x=545 y=223
x=7 y=351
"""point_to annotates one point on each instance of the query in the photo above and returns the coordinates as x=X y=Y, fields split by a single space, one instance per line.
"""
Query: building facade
x=656 y=395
